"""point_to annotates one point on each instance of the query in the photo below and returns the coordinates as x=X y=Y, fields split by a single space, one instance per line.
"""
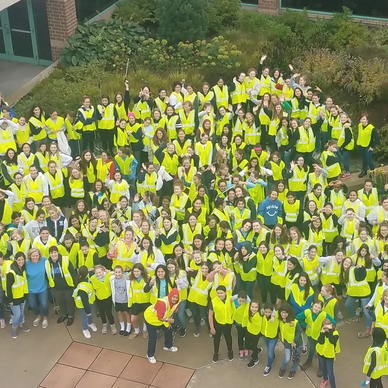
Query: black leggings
x=376 y=383
x=88 y=138
x=241 y=335
x=264 y=283
x=251 y=344
x=107 y=139
x=105 y=307
x=226 y=331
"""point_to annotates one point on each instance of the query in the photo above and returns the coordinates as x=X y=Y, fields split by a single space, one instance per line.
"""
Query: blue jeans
x=367 y=159
x=248 y=287
x=339 y=155
x=349 y=304
x=270 y=343
x=18 y=315
x=327 y=368
x=85 y=319
x=179 y=316
x=345 y=158
x=39 y=303
x=153 y=336
x=287 y=357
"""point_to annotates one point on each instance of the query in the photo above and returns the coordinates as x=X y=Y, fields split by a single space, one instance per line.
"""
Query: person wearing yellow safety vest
x=143 y=103
x=292 y=210
x=8 y=131
x=118 y=187
x=73 y=128
x=179 y=201
x=6 y=206
x=101 y=284
x=378 y=215
x=76 y=186
x=44 y=241
x=199 y=294
x=221 y=94
x=177 y=96
x=55 y=184
x=221 y=311
x=297 y=177
x=369 y=195
x=189 y=230
x=10 y=166
x=16 y=290
x=376 y=359
x=311 y=321
x=160 y=316
x=345 y=143
x=42 y=156
x=291 y=336
x=88 y=116
x=367 y=140
x=357 y=287
x=161 y=101
x=54 y=124
x=166 y=237
x=26 y=159
x=84 y=297
x=331 y=270
x=127 y=164
x=35 y=185
x=329 y=225
x=353 y=202
x=301 y=294
x=122 y=102
x=36 y=123
x=264 y=77
x=331 y=161
x=237 y=92
x=245 y=268
x=328 y=345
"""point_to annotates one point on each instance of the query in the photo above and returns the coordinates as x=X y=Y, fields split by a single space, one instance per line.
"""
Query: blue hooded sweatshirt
x=270 y=211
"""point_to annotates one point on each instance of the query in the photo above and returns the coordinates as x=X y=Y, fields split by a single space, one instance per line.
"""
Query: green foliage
x=222 y=13
x=182 y=20
x=101 y=41
x=218 y=54
x=381 y=150
x=137 y=11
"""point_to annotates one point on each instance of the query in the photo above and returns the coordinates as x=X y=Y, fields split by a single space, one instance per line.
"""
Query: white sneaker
x=113 y=329
x=358 y=311
x=340 y=315
x=36 y=321
x=191 y=320
x=188 y=312
x=93 y=327
x=152 y=360
x=10 y=320
x=203 y=322
x=86 y=333
x=104 y=328
x=44 y=324
x=3 y=324
x=172 y=349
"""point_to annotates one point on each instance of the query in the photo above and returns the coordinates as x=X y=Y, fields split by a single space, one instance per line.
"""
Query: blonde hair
x=34 y=250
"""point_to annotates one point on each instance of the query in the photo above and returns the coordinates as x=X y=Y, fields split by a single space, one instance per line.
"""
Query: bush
x=218 y=54
x=222 y=13
x=137 y=11
x=101 y=41
x=182 y=20
x=381 y=150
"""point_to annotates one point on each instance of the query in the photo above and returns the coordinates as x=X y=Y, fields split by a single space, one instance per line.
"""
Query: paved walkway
x=60 y=357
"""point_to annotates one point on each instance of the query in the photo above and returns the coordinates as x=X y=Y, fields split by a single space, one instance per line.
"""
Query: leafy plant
x=101 y=41
x=222 y=13
x=137 y=11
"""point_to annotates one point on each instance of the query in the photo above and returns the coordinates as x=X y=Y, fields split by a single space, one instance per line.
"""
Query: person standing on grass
x=367 y=140
x=159 y=316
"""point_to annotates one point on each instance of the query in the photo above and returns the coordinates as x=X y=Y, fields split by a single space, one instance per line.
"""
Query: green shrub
x=182 y=20
x=222 y=13
x=101 y=41
x=137 y=11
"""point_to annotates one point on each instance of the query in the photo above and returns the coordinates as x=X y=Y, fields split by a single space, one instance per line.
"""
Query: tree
x=182 y=20
x=222 y=14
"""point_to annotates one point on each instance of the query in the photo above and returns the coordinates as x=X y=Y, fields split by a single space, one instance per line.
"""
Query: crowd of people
x=225 y=205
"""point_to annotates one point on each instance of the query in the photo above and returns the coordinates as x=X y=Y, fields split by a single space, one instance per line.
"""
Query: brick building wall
x=62 y=21
x=269 y=6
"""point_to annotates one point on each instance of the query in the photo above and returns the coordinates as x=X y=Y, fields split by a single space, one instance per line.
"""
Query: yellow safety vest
x=265 y=85
x=55 y=183
x=24 y=162
x=188 y=122
x=34 y=188
x=71 y=254
x=270 y=329
x=314 y=327
x=227 y=281
x=327 y=349
x=331 y=274
x=222 y=96
x=65 y=271
x=124 y=255
x=20 y=285
x=102 y=286
x=287 y=331
x=43 y=160
x=381 y=368
x=238 y=95
x=309 y=266
x=108 y=117
x=265 y=264
x=341 y=139
x=88 y=288
x=278 y=277
x=150 y=315
x=355 y=288
x=55 y=126
x=298 y=181
x=336 y=125
x=246 y=277
x=71 y=129
x=179 y=203
x=44 y=248
x=88 y=114
x=103 y=169
x=199 y=291
x=76 y=188
x=291 y=211
x=253 y=324
x=223 y=312
x=117 y=190
x=23 y=133
x=239 y=312
x=371 y=201
x=88 y=260
x=137 y=294
x=204 y=153
x=364 y=135
x=188 y=234
x=328 y=228
x=38 y=123
x=333 y=170
x=124 y=165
